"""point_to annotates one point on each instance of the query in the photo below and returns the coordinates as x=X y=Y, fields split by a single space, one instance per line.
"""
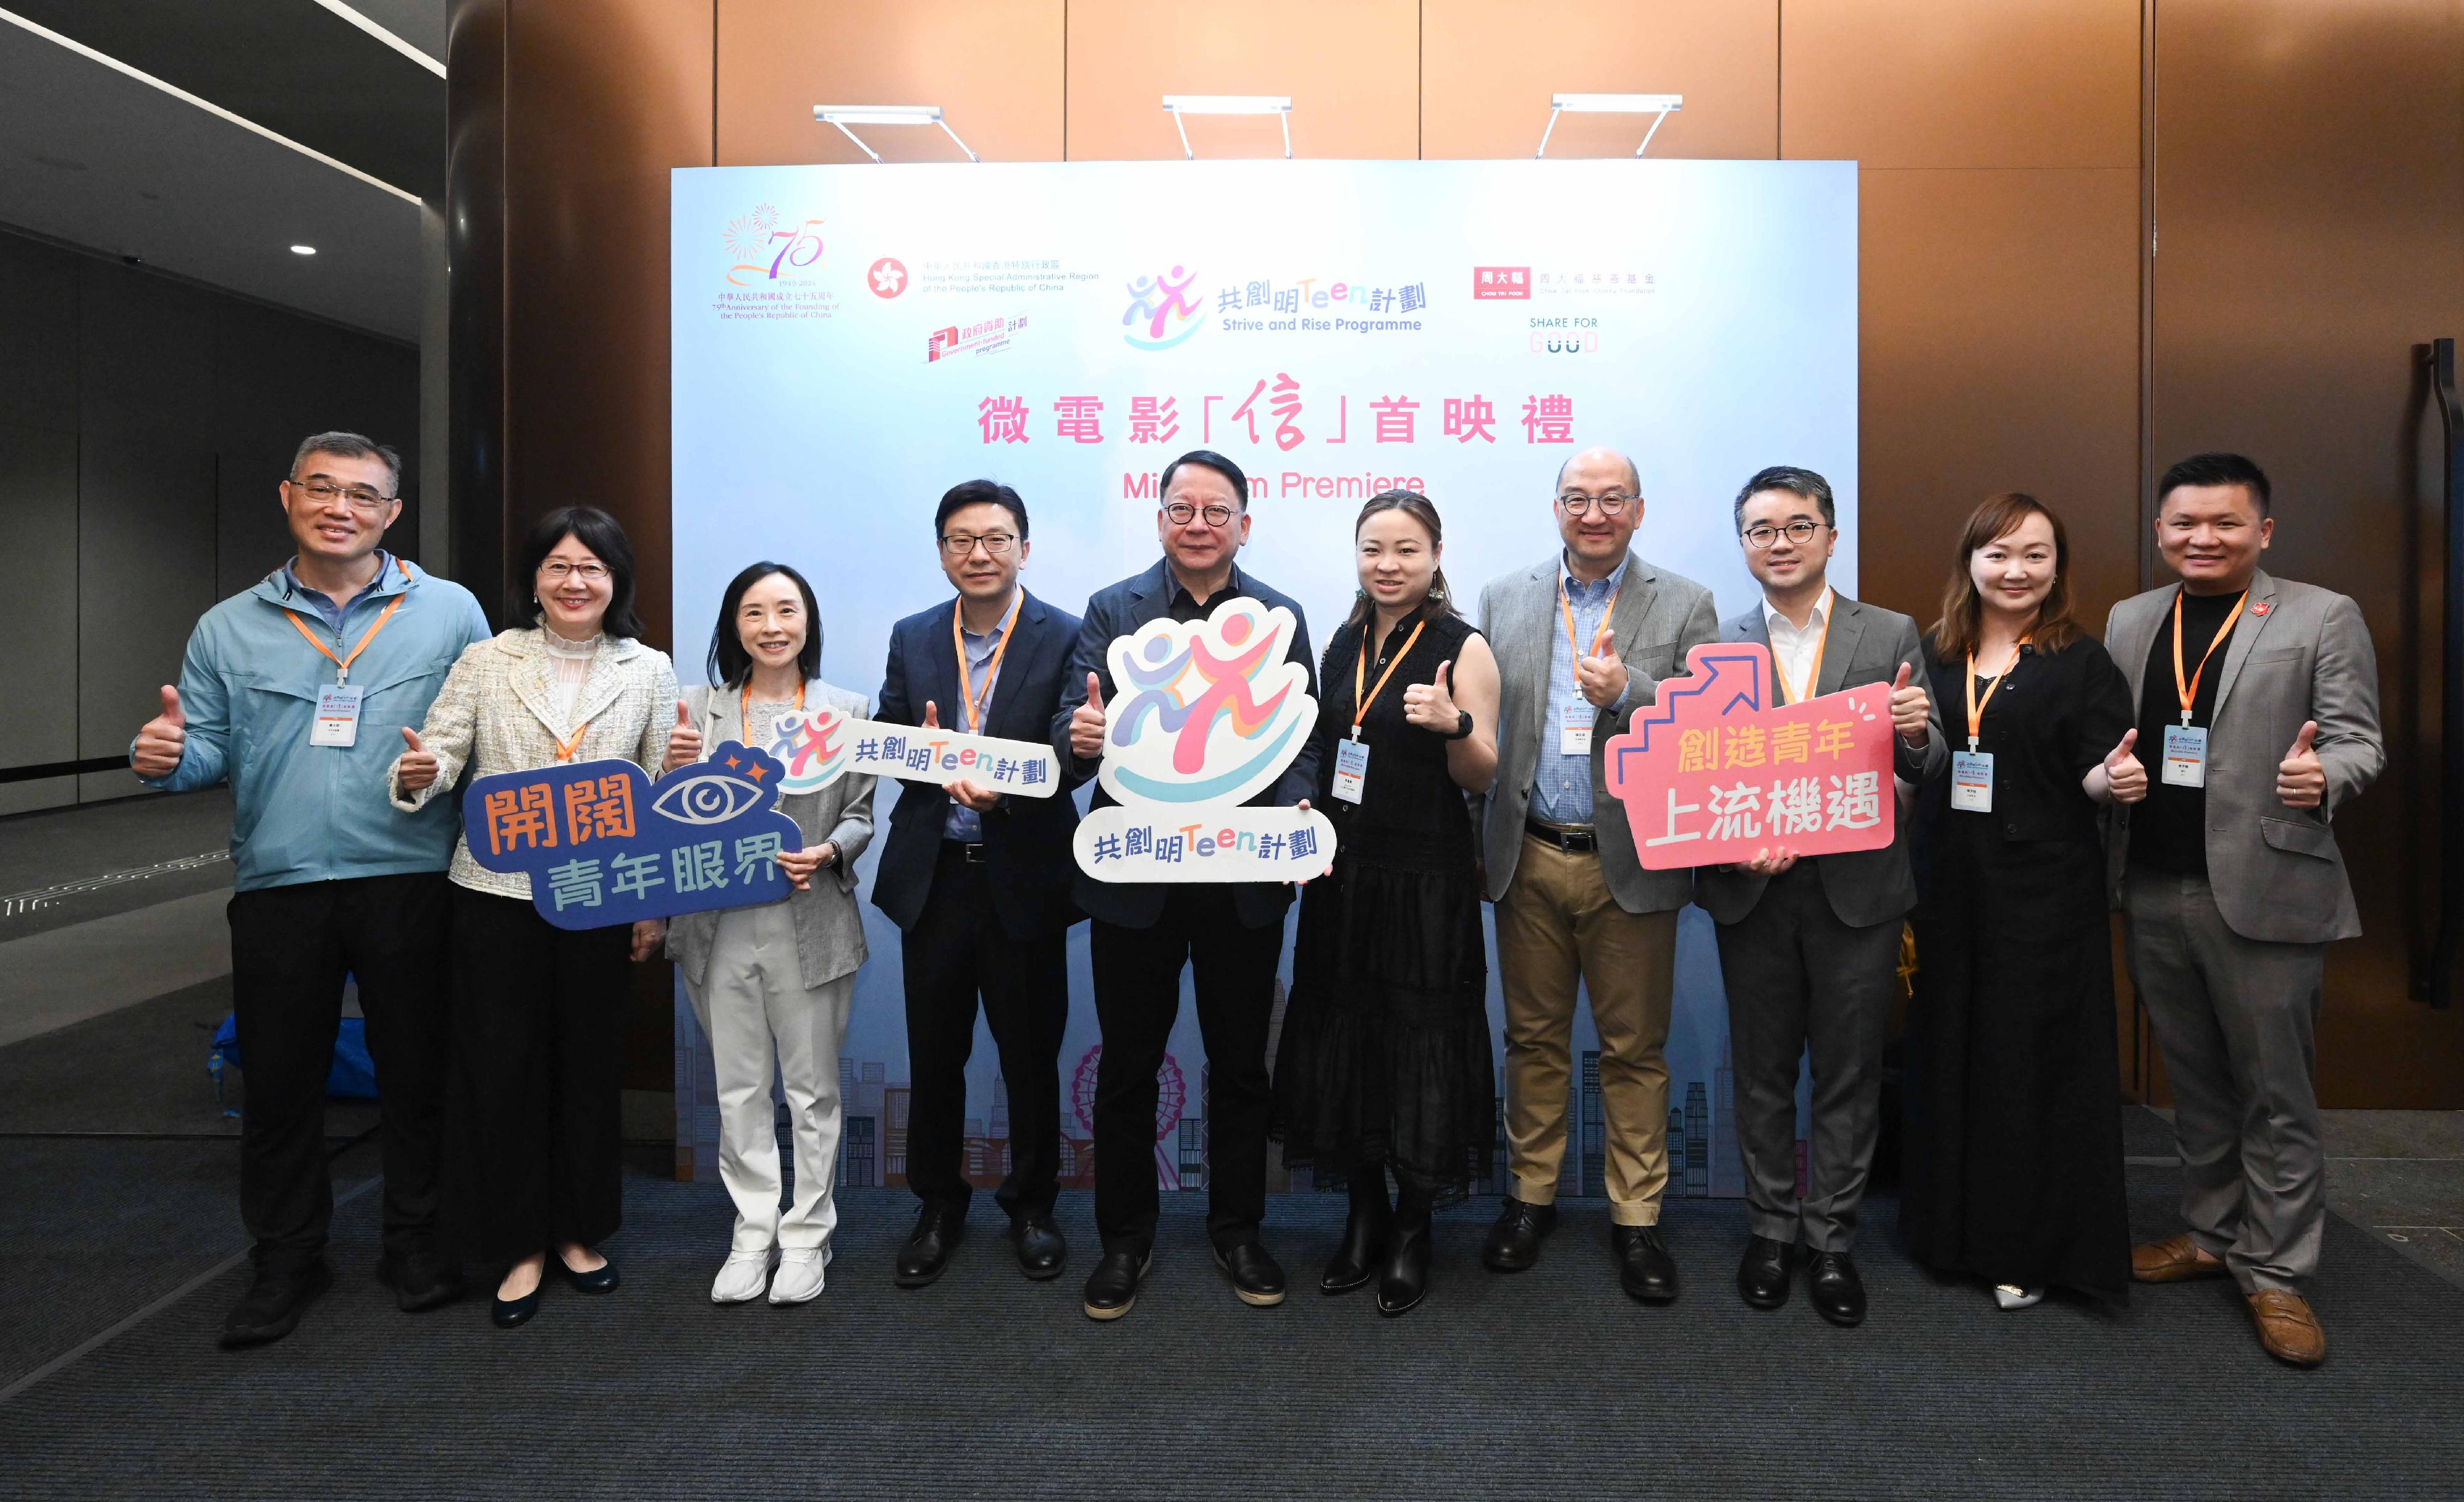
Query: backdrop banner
x=850 y=341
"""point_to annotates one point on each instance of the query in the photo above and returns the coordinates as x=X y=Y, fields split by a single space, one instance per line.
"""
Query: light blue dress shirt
x=1561 y=785
x=965 y=824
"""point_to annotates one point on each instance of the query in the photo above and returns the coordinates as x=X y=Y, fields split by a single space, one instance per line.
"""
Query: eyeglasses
x=555 y=570
x=1762 y=535
x=1180 y=513
x=359 y=497
x=1578 y=505
x=958 y=544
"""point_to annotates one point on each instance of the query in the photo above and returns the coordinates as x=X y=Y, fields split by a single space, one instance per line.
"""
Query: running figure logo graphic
x=1209 y=712
x=1170 y=313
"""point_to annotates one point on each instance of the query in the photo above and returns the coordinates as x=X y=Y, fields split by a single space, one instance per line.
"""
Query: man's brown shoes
x=2175 y=1259
x=2287 y=1328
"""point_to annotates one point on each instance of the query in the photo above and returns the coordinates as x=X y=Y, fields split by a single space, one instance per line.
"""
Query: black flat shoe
x=507 y=1313
x=1112 y=1287
x=1356 y=1260
x=1405 y=1282
x=600 y=1279
x=926 y=1254
x=1644 y=1268
x=1256 y=1277
x=1763 y=1276
x=1513 y=1243
x=1041 y=1248
x=1838 y=1293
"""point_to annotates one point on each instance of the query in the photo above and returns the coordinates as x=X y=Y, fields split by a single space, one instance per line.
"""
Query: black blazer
x=1118 y=610
x=1026 y=841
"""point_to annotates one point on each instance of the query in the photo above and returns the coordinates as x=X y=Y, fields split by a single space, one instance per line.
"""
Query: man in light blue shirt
x=297 y=692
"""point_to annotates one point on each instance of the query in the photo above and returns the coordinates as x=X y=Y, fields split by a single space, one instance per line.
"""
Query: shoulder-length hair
x=729 y=664
x=1955 y=635
x=1414 y=505
x=600 y=533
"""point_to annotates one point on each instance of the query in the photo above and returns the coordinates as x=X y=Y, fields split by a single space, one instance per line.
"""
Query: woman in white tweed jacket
x=533 y=1127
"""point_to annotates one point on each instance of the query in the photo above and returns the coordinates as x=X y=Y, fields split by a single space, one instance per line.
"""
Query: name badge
x=1575 y=731
x=337 y=716
x=2185 y=756
x=1971 y=781
x=1351 y=768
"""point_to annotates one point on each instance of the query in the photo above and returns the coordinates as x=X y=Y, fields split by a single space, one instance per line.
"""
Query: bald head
x=1604 y=460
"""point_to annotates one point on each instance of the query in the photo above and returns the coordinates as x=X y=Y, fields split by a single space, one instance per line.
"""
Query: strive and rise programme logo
x=1163 y=311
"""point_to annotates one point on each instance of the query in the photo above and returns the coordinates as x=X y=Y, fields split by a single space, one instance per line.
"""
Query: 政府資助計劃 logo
x=1209 y=712
x=1162 y=311
x=763 y=244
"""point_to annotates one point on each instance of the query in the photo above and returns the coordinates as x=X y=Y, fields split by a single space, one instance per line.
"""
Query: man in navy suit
x=980 y=881
x=1142 y=934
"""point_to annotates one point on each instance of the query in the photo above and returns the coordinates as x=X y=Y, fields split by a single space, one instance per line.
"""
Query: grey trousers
x=2236 y=1018
x=1804 y=984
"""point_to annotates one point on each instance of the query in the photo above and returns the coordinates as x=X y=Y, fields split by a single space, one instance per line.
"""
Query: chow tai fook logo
x=1492 y=283
x=973 y=338
x=1163 y=311
x=766 y=248
x=1205 y=714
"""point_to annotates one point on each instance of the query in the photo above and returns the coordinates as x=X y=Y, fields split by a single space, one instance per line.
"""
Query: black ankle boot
x=1406 y=1281
x=1366 y=1235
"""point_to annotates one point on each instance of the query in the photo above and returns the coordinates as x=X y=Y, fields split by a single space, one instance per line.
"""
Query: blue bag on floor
x=354 y=1076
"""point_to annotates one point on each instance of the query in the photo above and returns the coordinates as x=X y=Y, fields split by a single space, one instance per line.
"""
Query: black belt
x=971 y=851
x=1573 y=841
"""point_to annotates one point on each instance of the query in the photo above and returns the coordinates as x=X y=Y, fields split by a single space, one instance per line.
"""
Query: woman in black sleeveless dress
x=1384 y=1063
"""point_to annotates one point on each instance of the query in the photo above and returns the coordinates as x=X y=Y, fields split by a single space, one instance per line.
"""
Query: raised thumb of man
x=2122 y=753
x=2301 y=743
x=172 y=706
x=1906 y=672
x=1094 y=692
x=932 y=716
x=412 y=738
x=683 y=716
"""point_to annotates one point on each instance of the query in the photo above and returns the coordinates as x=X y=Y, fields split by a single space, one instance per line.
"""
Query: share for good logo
x=888 y=277
x=1163 y=311
x=761 y=243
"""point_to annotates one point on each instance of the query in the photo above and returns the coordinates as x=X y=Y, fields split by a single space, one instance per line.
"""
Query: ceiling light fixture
x=1660 y=105
x=304 y=249
x=208 y=105
x=845 y=115
x=1180 y=104
x=382 y=34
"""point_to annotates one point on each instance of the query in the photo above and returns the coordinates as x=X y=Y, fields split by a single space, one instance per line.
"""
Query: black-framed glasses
x=958 y=544
x=359 y=497
x=1180 y=513
x=1762 y=535
x=1577 y=504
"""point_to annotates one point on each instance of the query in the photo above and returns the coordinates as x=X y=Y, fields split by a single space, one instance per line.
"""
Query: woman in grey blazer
x=771 y=984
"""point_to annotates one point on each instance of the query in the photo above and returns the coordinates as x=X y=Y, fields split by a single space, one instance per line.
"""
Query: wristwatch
x=1464 y=729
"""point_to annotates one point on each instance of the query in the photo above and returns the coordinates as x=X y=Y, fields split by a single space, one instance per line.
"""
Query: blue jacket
x=248 y=688
x=1118 y=610
x=1026 y=841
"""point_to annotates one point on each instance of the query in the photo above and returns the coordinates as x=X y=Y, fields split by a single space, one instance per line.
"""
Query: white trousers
x=761 y=1019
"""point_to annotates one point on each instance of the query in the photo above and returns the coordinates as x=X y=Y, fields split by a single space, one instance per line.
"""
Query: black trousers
x=291 y=947
x=1138 y=1000
x=534 y=1136
x=955 y=953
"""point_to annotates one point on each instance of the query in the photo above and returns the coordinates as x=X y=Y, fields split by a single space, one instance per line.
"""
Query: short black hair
x=2215 y=469
x=1205 y=459
x=729 y=664
x=597 y=531
x=977 y=492
x=1803 y=484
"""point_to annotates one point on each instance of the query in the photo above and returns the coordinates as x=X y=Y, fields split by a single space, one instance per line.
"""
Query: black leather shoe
x=1763 y=1276
x=1405 y=1282
x=1041 y=1250
x=1255 y=1275
x=1513 y=1243
x=600 y=1279
x=271 y=1307
x=938 y=1229
x=1356 y=1259
x=1644 y=1267
x=420 y=1280
x=505 y=1314
x=1114 y=1286
x=1838 y=1293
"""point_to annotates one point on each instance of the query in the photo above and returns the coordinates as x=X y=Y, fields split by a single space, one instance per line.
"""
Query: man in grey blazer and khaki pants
x=2259 y=698
x=1808 y=947
x=1582 y=640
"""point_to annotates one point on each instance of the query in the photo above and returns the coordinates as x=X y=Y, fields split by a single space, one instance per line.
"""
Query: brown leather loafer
x=2287 y=1327
x=2175 y=1259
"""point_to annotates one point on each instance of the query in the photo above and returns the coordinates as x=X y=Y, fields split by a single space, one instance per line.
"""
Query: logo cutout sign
x=818 y=746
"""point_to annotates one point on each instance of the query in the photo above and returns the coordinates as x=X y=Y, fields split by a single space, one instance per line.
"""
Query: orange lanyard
x=967 y=696
x=342 y=664
x=1361 y=670
x=1813 y=669
x=1566 y=605
x=565 y=749
x=744 y=707
x=2190 y=690
x=1976 y=705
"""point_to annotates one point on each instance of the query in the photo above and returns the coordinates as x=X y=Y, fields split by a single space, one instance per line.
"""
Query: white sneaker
x=2010 y=1295
x=800 y=1275
x=741 y=1277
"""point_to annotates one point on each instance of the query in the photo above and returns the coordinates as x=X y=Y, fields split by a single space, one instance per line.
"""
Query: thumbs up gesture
x=1910 y=708
x=1431 y=706
x=2300 y=783
x=1087 y=722
x=932 y=716
x=1601 y=676
x=417 y=766
x=684 y=741
x=2126 y=780
x=162 y=740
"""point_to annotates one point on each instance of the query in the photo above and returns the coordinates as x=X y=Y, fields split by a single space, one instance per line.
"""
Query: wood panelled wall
x=2010 y=338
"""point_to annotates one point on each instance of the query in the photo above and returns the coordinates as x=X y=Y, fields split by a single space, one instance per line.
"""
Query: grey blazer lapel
x=2245 y=638
x=1635 y=600
x=1538 y=604
x=1839 y=643
x=2133 y=630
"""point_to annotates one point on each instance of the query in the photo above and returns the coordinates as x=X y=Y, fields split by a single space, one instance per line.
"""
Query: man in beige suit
x=2258 y=699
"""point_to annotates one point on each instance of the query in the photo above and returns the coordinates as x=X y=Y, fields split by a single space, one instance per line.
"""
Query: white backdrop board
x=850 y=341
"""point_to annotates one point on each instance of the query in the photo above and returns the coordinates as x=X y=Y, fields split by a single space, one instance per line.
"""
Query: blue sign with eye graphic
x=603 y=844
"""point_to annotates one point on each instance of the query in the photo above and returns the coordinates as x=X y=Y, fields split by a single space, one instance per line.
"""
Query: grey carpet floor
x=1550 y=1384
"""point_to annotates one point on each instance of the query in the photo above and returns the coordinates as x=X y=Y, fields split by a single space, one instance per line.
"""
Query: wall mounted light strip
x=1178 y=106
x=208 y=105
x=1659 y=106
x=382 y=34
x=845 y=115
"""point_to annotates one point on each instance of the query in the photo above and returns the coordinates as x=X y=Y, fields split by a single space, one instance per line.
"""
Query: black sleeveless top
x=1412 y=812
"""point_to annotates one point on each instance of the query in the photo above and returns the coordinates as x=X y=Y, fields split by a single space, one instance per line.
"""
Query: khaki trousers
x=1557 y=925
